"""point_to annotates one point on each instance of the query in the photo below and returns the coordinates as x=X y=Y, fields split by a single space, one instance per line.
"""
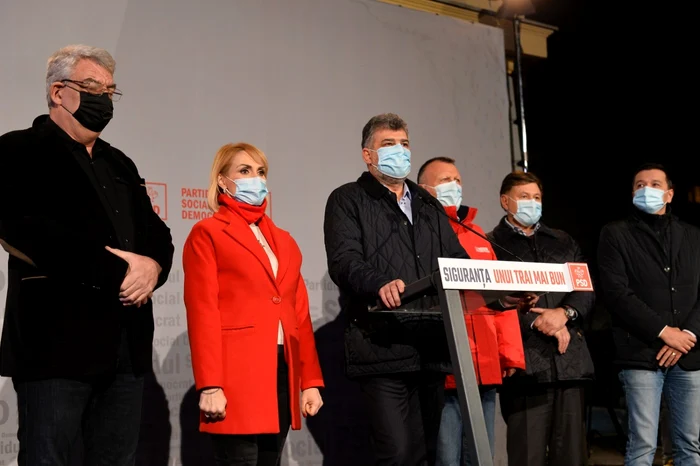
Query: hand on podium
x=390 y=293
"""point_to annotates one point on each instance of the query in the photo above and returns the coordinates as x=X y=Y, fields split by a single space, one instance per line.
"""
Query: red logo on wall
x=158 y=192
x=194 y=204
x=580 y=277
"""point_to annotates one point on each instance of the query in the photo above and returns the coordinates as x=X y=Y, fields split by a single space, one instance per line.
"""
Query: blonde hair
x=222 y=164
x=62 y=63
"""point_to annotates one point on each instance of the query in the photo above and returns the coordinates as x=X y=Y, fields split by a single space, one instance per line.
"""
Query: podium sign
x=461 y=274
x=491 y=279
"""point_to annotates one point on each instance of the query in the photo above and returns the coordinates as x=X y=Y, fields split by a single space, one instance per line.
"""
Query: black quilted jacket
x=543 y=361
x=370 y=242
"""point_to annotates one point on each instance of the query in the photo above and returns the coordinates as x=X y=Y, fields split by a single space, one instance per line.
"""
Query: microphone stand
x=432 y=202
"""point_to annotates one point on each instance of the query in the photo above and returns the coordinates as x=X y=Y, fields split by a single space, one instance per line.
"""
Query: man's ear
x=430 y=189
x=54 y=93
x=504 y=202
x=367 y=156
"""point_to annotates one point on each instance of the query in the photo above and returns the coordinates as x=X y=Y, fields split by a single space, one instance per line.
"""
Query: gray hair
x=384 y=121
x=62 y=63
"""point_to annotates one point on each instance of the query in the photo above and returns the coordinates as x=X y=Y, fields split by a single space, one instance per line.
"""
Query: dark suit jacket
x=63 y=317
x=544 y=363
x=370 y=242
x=649 y=283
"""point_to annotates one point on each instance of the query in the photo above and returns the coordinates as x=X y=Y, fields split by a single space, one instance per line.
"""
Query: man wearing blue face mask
x=383 y=232
x=494 y=338
x=543 y=405
x=649 y=266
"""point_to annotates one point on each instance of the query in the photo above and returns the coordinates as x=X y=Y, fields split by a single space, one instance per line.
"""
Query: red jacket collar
x=464 y=214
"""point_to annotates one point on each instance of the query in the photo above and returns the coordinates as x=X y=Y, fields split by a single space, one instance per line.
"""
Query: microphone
x=412 y=291
x=438 y=207
x=432 y=201
x=419 y=287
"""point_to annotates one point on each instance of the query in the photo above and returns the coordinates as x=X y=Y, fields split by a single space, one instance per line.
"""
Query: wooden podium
x=494 y=281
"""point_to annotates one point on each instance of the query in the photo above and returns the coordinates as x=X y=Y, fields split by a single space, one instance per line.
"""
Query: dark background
x=617 y=90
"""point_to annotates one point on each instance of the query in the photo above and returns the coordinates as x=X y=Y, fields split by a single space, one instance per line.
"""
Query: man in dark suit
x=86 y=252
x=383 y=232
x=649 y=265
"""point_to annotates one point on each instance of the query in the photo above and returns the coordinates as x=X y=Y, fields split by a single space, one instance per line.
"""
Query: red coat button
x=276 y=299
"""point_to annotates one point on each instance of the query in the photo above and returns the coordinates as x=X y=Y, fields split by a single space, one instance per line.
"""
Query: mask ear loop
x=225 y=190
x=66 y=86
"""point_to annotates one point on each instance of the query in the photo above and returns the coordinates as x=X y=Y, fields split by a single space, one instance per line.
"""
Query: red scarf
x=250 y=214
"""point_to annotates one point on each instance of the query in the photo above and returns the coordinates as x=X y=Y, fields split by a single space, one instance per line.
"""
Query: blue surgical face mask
x=394 y=161
x=529 y=212
x=649 y=200
x=252 y=191
x=449 y=194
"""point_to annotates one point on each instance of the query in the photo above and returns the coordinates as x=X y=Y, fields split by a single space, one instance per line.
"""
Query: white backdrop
x=299 y=79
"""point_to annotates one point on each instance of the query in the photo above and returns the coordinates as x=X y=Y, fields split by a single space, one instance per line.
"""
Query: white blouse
x=275 y=265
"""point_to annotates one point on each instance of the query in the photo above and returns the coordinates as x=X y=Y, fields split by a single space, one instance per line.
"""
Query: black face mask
x=94 y=111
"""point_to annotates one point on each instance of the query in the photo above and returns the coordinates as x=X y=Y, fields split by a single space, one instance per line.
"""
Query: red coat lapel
x=281 y=239
x=241 y=232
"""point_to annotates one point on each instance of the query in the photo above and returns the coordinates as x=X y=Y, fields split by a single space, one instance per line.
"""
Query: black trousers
x=258 y=449
x=105 y=409
x=545 y=424
x=404 y=412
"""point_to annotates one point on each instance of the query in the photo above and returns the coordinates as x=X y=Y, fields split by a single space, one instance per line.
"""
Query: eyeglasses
x=95 y=88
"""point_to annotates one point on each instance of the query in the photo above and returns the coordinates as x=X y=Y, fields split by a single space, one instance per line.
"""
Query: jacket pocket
x=37 y=277
x=238 y=330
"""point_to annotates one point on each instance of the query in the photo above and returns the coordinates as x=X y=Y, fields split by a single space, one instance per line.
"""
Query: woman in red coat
x=250 y=333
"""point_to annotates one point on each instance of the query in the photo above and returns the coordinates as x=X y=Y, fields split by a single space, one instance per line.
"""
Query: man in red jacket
x=494 y=338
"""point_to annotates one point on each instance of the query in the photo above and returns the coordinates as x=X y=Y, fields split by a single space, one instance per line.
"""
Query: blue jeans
x=452 y=449
x=107 y=409
x=681 y=390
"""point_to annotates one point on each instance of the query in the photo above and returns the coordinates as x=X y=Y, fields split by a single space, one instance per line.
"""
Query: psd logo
x=158 y=192
x=580 y=277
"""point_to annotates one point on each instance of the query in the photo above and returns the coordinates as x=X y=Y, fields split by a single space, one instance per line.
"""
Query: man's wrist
x=570 y=312
x=691 y=333
x=662 y=331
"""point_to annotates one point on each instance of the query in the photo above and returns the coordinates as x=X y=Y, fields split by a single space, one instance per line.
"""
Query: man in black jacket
x=543 y=406
x=86 y=252
x=650 y=275
x=383 y=232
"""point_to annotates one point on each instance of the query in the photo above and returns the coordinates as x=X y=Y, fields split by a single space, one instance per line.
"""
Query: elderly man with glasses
x=86 y=252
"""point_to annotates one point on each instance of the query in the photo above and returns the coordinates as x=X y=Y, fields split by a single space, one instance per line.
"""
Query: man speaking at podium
x=383 y=232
